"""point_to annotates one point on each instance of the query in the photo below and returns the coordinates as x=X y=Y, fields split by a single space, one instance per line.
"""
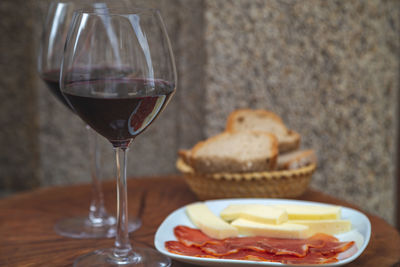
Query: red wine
x=119 y=109
x=51 y=79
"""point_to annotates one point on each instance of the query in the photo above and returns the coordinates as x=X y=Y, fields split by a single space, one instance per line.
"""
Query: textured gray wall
x=329 y=68
x=19 y=150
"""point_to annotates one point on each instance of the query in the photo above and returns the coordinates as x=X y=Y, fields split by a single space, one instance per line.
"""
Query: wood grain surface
x=27 y=237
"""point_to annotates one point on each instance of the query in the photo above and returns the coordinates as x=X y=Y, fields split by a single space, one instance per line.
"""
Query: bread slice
x=296 y=159
x=235 y=152
x=263 y=120
x=185 y=155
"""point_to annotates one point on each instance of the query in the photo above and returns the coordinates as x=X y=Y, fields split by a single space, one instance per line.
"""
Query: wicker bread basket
x=275 y=184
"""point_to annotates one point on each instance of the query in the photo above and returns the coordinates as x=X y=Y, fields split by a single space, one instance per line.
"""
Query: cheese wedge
x=255 y=212
x=209 y=223
x=305 y=212
x=331 y=227
x=284 y=230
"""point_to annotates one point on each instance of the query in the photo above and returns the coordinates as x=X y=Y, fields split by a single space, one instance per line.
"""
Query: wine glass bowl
x=118 y=74
x=58 y=21
x=55 y=31
x=119 y=117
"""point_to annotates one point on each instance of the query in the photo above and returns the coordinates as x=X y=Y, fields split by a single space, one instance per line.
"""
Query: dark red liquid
x=51 y=79
x=120 y=117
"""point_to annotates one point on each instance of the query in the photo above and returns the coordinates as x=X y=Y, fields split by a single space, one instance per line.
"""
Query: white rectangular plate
x=360 y=232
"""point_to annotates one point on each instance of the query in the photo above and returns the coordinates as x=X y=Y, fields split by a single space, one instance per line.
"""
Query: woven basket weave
x=275 y=184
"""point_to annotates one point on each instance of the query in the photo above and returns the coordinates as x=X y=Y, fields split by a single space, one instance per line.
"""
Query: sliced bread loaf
x=296 y=159
x=263 y=120
x=185 y=155
x=246 y=151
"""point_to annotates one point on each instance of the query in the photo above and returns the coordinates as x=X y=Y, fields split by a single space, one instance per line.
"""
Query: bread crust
x=234 y=116
x=218 y=164
x=185 y=155
x=289 y=142
x=296 y=159
x=293 y=144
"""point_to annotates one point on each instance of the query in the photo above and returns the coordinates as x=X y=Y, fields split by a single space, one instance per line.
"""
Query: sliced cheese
x=209 y=223
x=255 y=212
x=284 y=230
x=306 y=212
x=331 y=227
x=233 y=211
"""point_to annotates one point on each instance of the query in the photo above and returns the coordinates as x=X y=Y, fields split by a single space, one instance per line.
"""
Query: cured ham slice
x=312 y=258
x=296 y=247
x=191 y=237
x=179 y=248
x=320 y=248
x=332 y=247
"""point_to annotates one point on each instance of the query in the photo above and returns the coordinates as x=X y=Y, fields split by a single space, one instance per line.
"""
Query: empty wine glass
x=119 y=83
x=98 y=223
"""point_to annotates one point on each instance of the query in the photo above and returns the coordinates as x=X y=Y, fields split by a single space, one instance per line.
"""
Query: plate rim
x=198 y=260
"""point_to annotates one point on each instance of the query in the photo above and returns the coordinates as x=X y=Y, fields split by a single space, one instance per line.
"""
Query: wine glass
x=98 y=223
x=118 y=84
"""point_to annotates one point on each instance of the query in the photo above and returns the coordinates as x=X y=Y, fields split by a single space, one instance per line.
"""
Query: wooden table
x=26 y=222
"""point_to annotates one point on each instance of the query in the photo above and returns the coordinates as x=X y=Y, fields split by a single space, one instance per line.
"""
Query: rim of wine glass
x=125 y=12
x=117 y=11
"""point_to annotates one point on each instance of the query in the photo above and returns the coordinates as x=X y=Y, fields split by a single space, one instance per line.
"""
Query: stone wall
x=19 y=149
x=330 y=69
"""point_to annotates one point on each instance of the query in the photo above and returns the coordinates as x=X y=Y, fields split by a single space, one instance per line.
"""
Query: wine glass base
x=141 y=257
x=81 y=227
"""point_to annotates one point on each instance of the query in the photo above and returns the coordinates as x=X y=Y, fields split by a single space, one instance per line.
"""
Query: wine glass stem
x=97 y=212
x=122 y=244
